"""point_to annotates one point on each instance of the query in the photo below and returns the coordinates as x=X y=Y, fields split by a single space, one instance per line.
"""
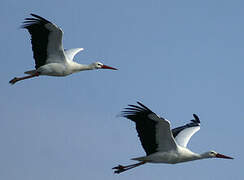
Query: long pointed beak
x=223 y=156
x=108 y=67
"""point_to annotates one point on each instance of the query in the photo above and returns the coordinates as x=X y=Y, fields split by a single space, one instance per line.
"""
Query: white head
x=213 y=154
x=99 y=65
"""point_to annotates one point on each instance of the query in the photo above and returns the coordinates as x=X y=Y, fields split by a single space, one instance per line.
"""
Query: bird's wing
x=153 y=131
x=70 y=53
x=183 y=134
x=46 y=40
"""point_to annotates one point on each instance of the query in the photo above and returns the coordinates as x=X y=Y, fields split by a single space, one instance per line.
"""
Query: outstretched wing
x=153 y=131
x=183 y=134
x=70 y=53
x=46 y=40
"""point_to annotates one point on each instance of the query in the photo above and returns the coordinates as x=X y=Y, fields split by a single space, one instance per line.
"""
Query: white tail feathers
x=31 y=72
x=139 y=158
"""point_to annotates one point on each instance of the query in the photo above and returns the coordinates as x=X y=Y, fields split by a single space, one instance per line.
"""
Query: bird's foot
x=119 y=169
x=14 y=80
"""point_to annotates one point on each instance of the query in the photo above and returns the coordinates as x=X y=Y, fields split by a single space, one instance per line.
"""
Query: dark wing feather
x=145 y=127
x=39 y=38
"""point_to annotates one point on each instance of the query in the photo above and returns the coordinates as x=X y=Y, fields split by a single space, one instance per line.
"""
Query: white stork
x=161 y=144
x=50 y=57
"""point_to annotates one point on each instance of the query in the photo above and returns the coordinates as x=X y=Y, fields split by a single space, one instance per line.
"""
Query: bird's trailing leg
x=120 y=168
x=16 y=79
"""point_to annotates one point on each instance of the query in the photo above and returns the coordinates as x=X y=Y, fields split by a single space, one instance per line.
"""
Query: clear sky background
x=177 y=57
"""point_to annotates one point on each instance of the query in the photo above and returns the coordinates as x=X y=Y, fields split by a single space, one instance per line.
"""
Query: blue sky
x=176 y=57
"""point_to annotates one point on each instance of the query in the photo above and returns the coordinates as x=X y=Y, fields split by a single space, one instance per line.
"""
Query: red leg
x=14 y=80
x=120 y=168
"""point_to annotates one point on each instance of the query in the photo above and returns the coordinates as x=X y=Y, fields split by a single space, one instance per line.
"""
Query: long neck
x=205 y=155
x=81 y=67
x=194 y=156
x=188 y=155
x=200 y=156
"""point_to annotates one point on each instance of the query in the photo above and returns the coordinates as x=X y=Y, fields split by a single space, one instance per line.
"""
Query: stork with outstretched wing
x=50 y=57
x=161 y=144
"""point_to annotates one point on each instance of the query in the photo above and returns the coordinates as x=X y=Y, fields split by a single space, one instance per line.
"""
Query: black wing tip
x=35 y=15
x=134 y=110
x=39 y=17
x=138 y=102
x=196 y=118
x=36 y=20
x=142 y=105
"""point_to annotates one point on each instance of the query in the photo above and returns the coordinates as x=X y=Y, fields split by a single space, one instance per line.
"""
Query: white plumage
x=50 y=57
x=161 y=144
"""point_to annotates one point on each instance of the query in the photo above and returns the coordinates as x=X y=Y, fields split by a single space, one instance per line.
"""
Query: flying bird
x=51 y=58
x=161 y=144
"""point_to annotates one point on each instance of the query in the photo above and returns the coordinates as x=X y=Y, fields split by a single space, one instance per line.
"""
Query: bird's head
x=213 y=154
x=99 y=65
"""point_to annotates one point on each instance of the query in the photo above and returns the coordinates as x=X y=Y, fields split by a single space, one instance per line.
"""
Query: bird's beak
x=223 y=156
x=108 y=67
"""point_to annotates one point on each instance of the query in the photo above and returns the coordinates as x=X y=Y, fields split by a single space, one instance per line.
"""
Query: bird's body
x=170 y=157
x=161 y=144
x=60 y=69
x=50 y=57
